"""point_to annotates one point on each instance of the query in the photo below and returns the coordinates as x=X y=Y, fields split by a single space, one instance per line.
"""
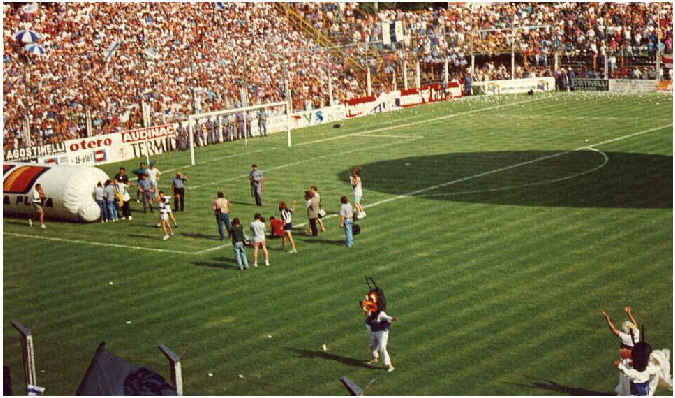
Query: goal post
x=195 y=118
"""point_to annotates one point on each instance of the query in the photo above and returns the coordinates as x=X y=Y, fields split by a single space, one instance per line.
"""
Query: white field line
x=400 y=137
x=397 y=126
x=499 y=170
x=217 y=159
x=96 y=243
x=389 y=128
x=283 y=166
x=213 y=248
x=605 y=160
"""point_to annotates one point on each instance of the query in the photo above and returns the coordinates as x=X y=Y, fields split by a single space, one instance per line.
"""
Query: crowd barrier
x=517 y=86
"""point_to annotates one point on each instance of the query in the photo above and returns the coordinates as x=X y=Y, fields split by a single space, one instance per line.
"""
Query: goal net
x=237 y=123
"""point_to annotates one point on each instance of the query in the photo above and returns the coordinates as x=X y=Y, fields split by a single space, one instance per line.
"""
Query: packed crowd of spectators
x=181 y=58
x=109 y=58
x=595 y=30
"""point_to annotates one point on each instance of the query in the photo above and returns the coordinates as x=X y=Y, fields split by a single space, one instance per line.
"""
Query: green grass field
x=499 y=229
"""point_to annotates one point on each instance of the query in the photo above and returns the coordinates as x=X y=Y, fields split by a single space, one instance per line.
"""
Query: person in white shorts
x=258 y=231
x=164 y=212
x=355 y=179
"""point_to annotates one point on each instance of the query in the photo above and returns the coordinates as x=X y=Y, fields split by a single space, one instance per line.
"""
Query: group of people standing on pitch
x=282 y=226
x=642 y=369
x=113 y=198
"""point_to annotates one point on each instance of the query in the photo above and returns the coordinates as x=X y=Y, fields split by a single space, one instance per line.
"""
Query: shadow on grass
x=325 y=355
x=199 y=235
x=582 y=178
x=336 y=242
x=220 y=262
x=553 y=386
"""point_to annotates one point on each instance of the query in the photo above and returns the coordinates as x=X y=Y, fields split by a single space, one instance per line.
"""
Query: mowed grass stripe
x=198 y=306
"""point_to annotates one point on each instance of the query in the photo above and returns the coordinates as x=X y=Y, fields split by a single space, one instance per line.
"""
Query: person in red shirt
x=276 y=227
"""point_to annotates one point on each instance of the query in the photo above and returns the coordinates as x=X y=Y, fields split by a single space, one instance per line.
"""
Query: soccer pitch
x=498 y=227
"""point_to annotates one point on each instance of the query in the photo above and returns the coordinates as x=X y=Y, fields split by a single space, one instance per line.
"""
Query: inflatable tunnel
x=69 y=190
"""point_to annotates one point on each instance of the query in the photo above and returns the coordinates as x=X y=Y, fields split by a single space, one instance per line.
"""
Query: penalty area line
x=83 y=242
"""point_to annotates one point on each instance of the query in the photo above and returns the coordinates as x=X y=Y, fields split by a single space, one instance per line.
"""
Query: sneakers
x=43 y=226
x=255 y=265
x=372 y=361
x=171 y=233
x=166 y=237
x=267 y=263
x=293 y=251
x=30 y=222
x=129 y=218
x=390 y=369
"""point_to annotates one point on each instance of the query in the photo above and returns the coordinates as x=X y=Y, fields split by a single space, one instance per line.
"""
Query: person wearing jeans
x=221 y=209
x=109 y=191
x=238 y=238
x=100 y=200
x=347 y=220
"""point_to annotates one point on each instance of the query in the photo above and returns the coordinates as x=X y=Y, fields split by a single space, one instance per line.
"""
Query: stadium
x=502 y=171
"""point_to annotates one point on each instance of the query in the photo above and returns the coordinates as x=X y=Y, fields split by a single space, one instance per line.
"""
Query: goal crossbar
x=206 y=115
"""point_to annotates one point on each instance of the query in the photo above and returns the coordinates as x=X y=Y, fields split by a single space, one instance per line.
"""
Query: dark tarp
x=109 y=374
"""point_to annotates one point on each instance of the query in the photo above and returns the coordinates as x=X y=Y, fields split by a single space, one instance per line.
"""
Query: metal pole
x=445 y=71
x=28 y=354
x=658 y=54
x=176 y=369
x=513 y=52
x=405 y=73
x=606 y=55
x=288 y=124
x=330 y=86
x=417 y=74
x=393 y=81
x=192 y=142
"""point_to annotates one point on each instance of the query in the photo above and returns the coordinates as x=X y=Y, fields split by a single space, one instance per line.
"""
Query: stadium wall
x=517 y=86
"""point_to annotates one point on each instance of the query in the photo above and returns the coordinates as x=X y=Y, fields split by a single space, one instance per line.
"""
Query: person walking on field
x=164 y=211
x=347 y=220
x=258 y=231
x=100 y=200
x=378 y=324
x=357 y=185
x=238 y=238
x=287 y=217
x=221 y=209
x=179 y=191
x=312 y=211
x=322 y=212
x=154 y=174
x=39 y=198
x=257 y=183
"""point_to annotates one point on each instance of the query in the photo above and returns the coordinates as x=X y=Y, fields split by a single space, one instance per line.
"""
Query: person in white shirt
x=164 y=211
x=100 y=200
x=287 y=218
x=154 y=174
x=39 y=198
x=355 y=179
x=258 y=231
x=629 y=336
x=347 y=220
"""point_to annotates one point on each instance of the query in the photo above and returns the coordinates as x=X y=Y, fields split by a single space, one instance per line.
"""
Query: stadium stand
x=180 y=58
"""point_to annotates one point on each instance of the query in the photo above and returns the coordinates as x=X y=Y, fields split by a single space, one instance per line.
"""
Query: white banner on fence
x=633 y=86
x=277 y=123
x=386 y=102
x=517 y=86
x=109 y=148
